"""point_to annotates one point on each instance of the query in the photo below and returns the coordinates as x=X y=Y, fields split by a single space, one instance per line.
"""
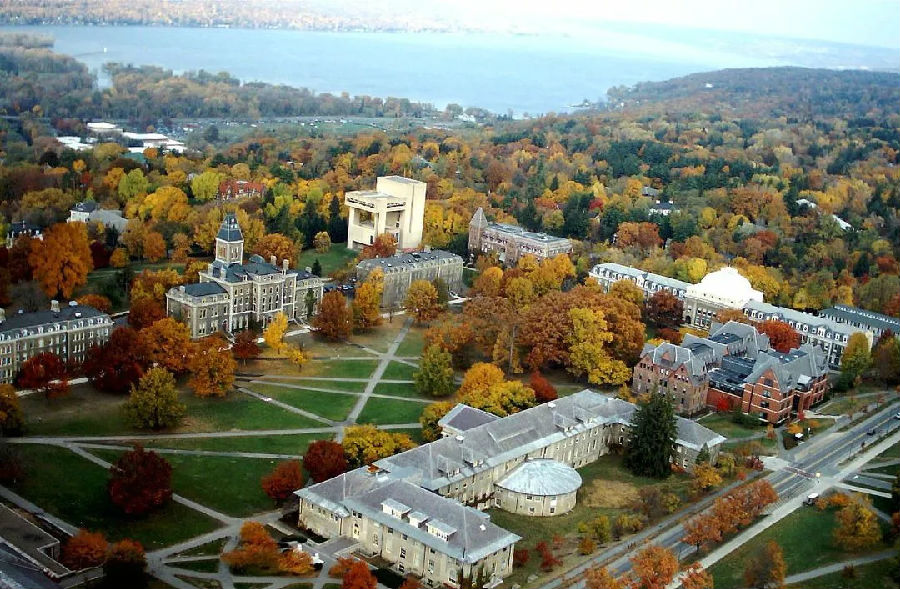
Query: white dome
x=725 y=286
x=542 y=477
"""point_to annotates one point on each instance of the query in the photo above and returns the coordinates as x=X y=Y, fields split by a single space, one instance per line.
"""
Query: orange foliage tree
x=696 y=577
x=257 y=550
x=654 y=567
x=140 y=481
x=278 y=245
x=245 y=346
x=384 y=246
x=99 y=302
x=125 y=564
x=600 y=578
x=168 y=343
x=46 y=374
x=358 y=576
x=84 y=550
x=782 y=336
x=283 y=481
x=61 y=261
x=335 y=319
x=212 y=367
x=324 y=459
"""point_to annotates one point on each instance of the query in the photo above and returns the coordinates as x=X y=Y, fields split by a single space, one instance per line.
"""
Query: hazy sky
x=862 y=22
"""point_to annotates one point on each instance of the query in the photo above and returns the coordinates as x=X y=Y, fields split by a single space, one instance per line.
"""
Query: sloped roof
x=463 y=418
x=230 y=230
x=542 y=477
x=640 y=275
x=203 y=289
x=66 y=313
x=673 y=357
x=848 y=314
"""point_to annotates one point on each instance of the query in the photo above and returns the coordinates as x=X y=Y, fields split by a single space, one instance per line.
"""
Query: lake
x=522 y=74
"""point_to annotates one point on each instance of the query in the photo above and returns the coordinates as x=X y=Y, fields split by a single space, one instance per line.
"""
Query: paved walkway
x=839 y=566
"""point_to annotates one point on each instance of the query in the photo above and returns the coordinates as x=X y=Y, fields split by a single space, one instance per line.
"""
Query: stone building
x=90 y=212
x=512 y=242
x=676 y=371
x=20 y=228
x=233 y=295
x=722 y=289
x=825 y=334
x=68 y=332
x=609 y=273
x=869 y=321
x=538 y=487
x=433 y=532
x=396 y=206
x=401 y=270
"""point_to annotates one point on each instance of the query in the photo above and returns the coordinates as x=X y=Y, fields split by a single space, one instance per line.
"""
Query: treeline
x=41 y=81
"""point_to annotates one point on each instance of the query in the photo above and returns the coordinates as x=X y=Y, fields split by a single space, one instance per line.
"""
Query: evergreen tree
x=337 y=225
x=651 y=448
x=317 y=268
x=703 y=455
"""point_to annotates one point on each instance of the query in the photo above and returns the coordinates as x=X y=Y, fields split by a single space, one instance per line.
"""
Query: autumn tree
x=696 y=577
x=118 y=363
x=119 y=258
x=886 y=358
x=153 y=402
x=702 y=530
x=84 y=550
x=140 y=481
x=782 y=336
x=144 y=312
x=766 y=569
x=435 y=375
x=334 y=320
x=205 y=186
x=154 y=246
x=544 y=391
x=642 y=236
x=433 y=413
x=281 y=483
x=384 y=246
x=256 y=550
x=367 y=302
x=654 y=567
x=858 y=527
x=597 y=577
x=11 y=417
x=665 y=310
x=358 y=576
x=489 y=283
x=167 y=343
x=212 y=367
x=422 y=301
x=322 y=242
x=62 y=261
x=46 y=374
x=411 y=582
x=324 y=459
x=126 y=565
x=502 y=399
x=364 y=444
x=587 y=351
x=479 y=378
x=97 y=301
x=627 y=290
x=651 y=444
x=245 y=346
x=705 y=477
x=277 y=245
x=856 y=358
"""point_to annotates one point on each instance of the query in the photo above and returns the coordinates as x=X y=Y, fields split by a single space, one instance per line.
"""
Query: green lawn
x=721 y=423
x=239 y=411
x=398 y=390
x=294 y=444
x=226 y=484
x=209 y=549
x=412 y=343
x=340 y=368
x=805 y=536
x=380 y=411
x=209 y=565
x=414 y=433
x=336 y=385
x=74 y=489
x=868 y=576
x=892 y=452
x=334 y=259
x=332 y=406
x=399 y=371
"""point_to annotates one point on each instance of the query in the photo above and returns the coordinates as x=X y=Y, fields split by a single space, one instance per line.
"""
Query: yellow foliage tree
x=587 y=350
x=364 y=444
x=367 y=303
x=62 y=261
x=479 y=378
x=422 y=301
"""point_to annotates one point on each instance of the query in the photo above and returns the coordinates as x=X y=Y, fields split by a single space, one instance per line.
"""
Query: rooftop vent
x=73 y=303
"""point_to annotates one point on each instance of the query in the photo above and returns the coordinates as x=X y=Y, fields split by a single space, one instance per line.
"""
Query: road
x=823 y=455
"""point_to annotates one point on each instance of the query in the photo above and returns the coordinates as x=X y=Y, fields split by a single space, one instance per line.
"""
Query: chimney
x=54 y=306
x=309 y=269
x=427 y=249
x=272 y=260
x=2 y=315
x=284 y=266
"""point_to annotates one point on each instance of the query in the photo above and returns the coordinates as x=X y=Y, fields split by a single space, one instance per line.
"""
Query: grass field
x=380 y=411
x=74 y=489
x=335 y=385
x=399 y=371
x=721 y=423
x=398 y=390
x=238 y=411
x=867 y=576
x=332 y=406
x=294 y=444
x=805 y=536
x=226 y=484
x=340 y=368
x=334 y=259
x=412 y=343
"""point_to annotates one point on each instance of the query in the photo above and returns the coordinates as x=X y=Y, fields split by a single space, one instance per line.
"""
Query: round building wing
x=540 y=487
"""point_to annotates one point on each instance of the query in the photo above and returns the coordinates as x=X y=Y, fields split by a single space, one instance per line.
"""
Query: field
x=334 y=259
x=866 y=576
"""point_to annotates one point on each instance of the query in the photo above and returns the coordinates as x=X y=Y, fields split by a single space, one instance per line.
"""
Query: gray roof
x=48 y=317
x=17 y=572
x=870 y=319
x=799 y=317
x=87 y=206
x=791 y=369
x=673 y=357
x=542 y=477
x=109 y=217
x=448 y=460
x=203 y=289
x=400 y=261
x=253 y=267
x=230 y=230
x=472 y=536
x=402 y=179
x=640 y=275
x=524 y=233
x=463 y=418
x=18 y=228
x=29 y=541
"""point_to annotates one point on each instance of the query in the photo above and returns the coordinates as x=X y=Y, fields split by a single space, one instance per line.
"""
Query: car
x=897 y=416
x=871 y=432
